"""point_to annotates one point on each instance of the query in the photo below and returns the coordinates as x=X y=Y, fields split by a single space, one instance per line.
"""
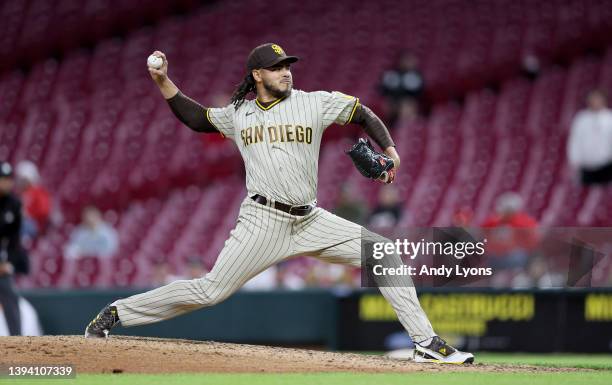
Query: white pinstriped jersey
x=280 y=147
x=280 y=143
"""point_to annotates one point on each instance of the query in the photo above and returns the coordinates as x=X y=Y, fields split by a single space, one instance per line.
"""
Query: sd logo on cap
x=268 y=55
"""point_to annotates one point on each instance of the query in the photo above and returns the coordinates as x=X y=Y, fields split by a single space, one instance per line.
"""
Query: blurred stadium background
x=503 y=82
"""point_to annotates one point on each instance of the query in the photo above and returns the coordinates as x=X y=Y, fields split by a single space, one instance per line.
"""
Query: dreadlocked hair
x=247 y=86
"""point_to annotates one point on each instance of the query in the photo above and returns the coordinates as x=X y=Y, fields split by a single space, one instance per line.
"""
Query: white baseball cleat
x=438 y=351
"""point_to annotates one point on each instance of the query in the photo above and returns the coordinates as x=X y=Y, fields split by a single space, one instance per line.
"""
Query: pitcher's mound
x=119 y=354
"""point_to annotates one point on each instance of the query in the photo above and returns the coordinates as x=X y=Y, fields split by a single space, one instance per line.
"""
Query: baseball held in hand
x=155 y=61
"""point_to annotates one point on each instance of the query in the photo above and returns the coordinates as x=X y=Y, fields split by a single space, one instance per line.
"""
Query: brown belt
x=299 y=211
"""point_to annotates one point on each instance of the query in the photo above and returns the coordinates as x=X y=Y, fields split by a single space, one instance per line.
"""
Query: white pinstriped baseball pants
x=264 y=236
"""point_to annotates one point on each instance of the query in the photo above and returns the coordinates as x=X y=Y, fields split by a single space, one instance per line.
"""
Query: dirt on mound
x=119 y=354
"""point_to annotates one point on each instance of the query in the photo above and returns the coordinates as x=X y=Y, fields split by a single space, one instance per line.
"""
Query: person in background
x=350 y=206
x=407 y=113
x=539 y=273
x=333 y=276
x=162 y=273
x=530 y=66
x=404 y=82
x=589 y=147
x=389 y=209
x=93 y=237
x=462 y=217
x=510 y=212
x=512 y=236
x=13 y=258
x=36 y=199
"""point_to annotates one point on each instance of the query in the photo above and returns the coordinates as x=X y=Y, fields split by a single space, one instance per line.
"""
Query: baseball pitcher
x=278 y=134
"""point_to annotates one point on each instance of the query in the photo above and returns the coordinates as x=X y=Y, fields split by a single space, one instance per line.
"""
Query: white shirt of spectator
x=100 y=242
x=590 y=141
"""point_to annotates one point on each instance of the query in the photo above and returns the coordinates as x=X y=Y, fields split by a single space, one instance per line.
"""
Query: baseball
x=155 y=61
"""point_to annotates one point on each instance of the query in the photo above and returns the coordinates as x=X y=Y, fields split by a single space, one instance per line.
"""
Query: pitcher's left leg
x=336 y=240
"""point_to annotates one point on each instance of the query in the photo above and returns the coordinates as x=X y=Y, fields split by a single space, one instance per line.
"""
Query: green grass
x=557 y=360
x=591 y=378
x=590 y=361
x=551 y=360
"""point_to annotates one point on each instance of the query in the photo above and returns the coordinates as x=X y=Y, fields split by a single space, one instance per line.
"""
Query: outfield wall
x=576 y=320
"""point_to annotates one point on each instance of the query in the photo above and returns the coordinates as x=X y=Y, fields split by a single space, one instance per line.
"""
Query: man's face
x=6 y=185
x=91 y=217
x=596 y=101
x=277 y=80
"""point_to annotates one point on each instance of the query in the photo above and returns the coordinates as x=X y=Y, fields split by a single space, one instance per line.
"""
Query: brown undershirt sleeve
x=191 y=113
x=373 y=126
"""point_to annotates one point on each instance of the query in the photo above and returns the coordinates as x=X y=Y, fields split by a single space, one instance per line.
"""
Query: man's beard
x=277 y=93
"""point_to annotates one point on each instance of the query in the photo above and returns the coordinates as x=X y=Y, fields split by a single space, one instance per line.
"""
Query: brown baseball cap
x=268 y=55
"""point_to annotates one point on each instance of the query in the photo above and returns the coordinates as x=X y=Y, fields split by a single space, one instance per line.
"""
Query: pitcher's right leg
x=259 y=240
